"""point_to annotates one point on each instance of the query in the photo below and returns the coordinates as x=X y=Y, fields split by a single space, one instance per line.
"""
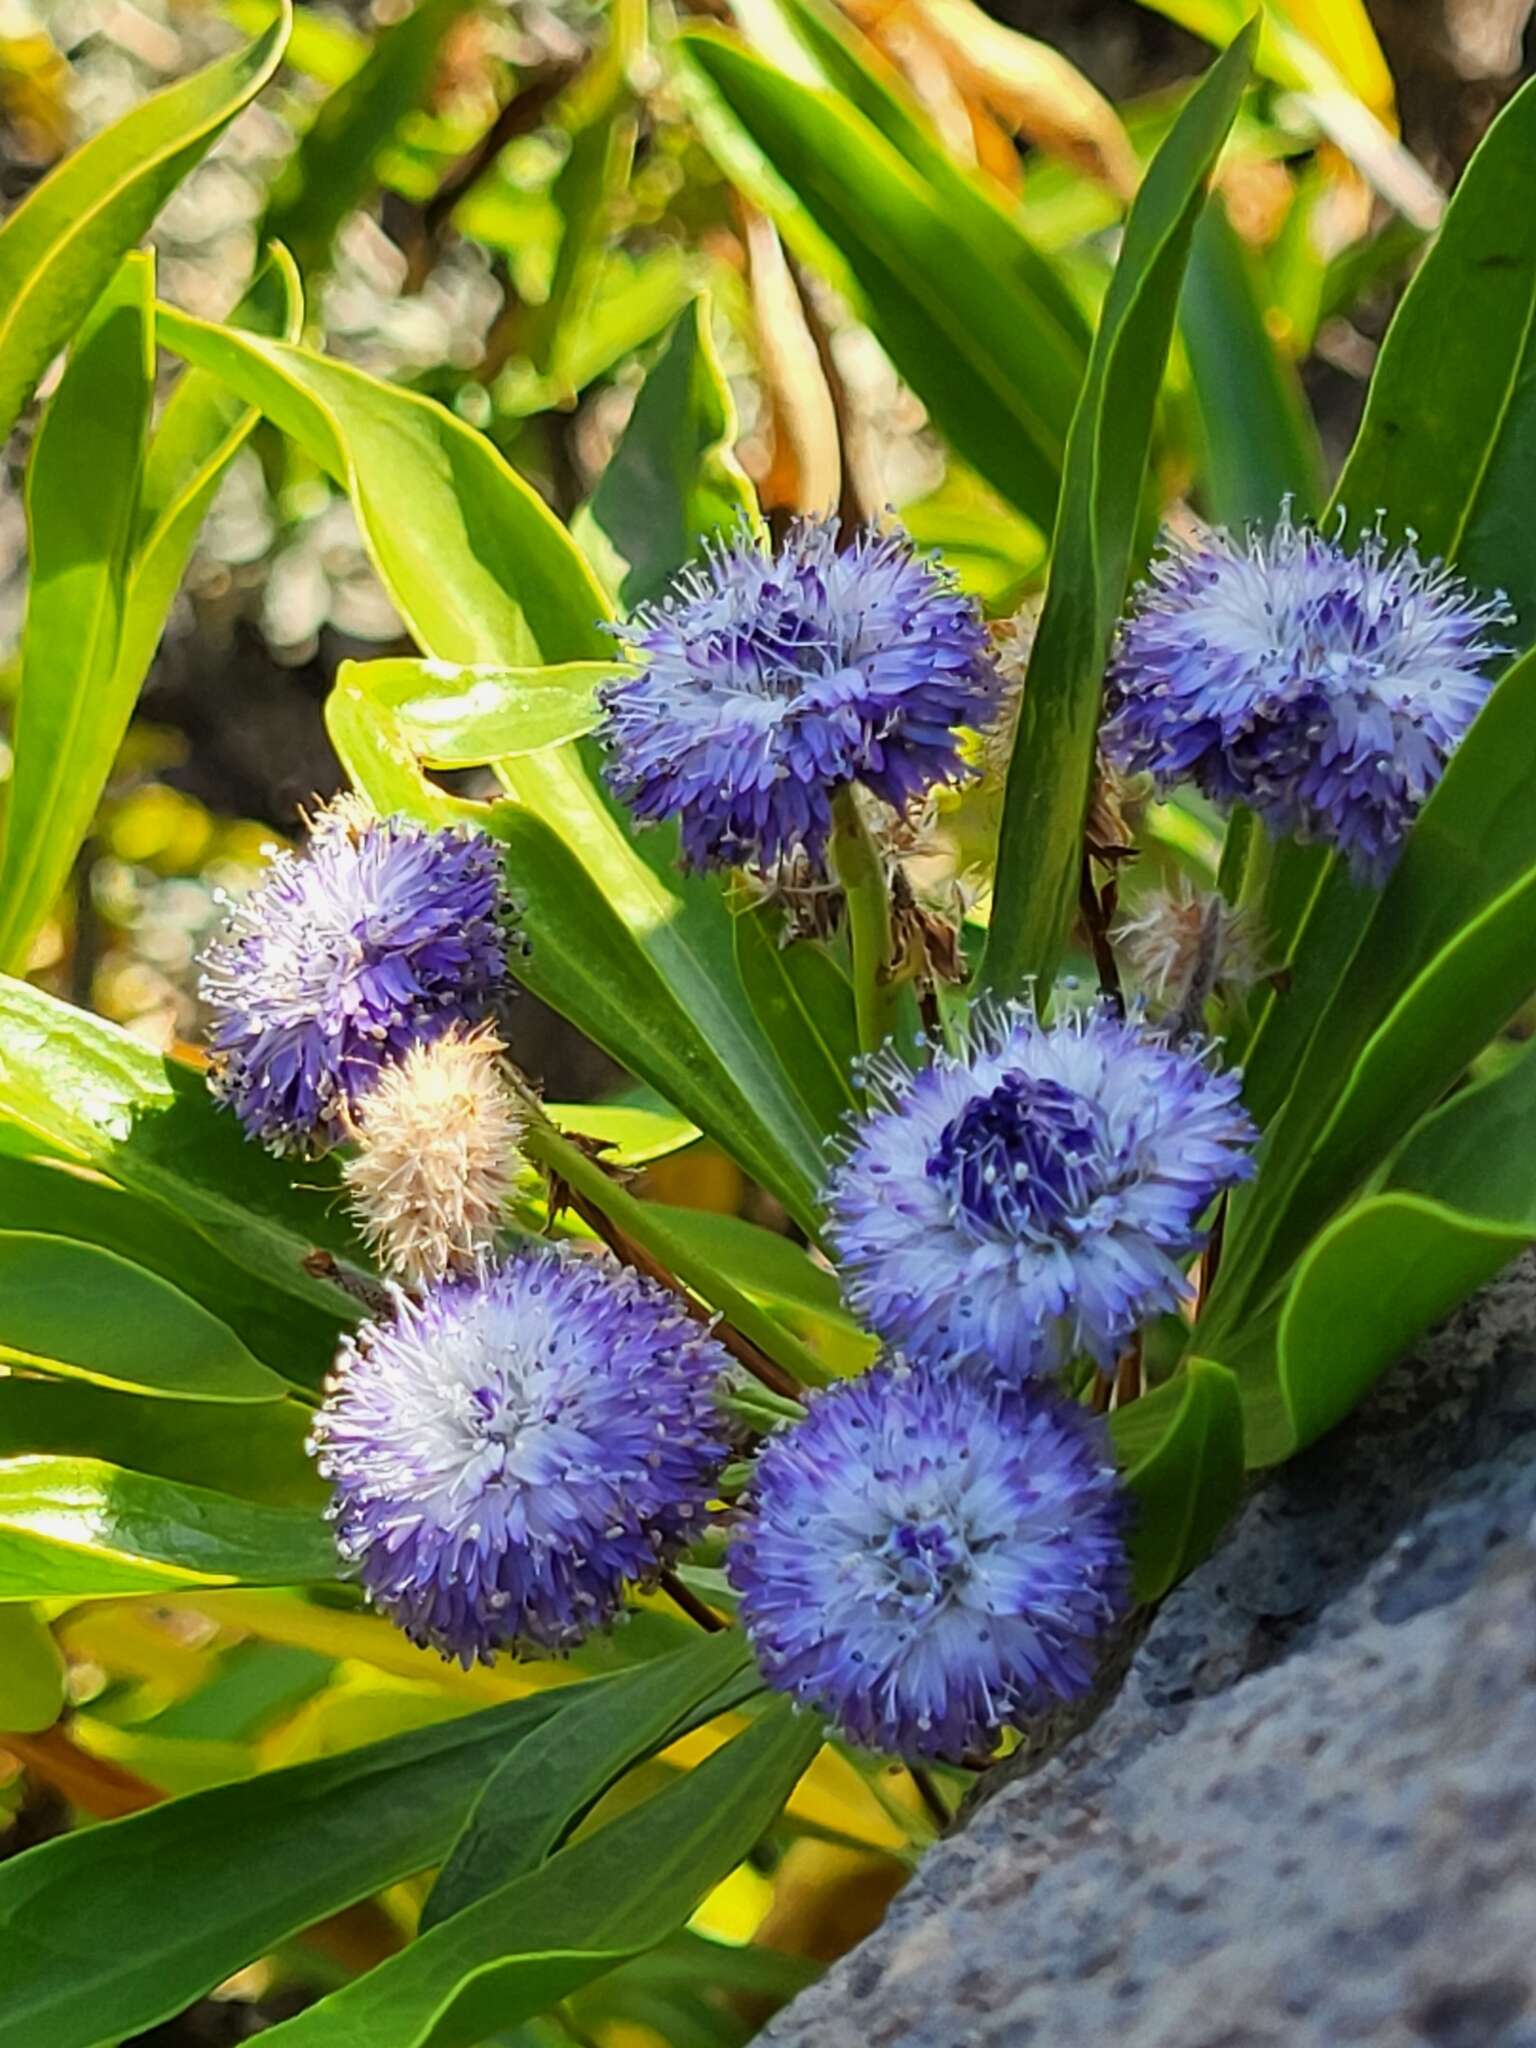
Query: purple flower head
x=513 y=1449
x=930 y=1558
x=376 y=938
x=768 y=682
x=1324 y=689
x=1030 y=1200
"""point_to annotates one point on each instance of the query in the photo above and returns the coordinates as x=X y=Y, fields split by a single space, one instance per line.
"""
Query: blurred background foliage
x=508 y=207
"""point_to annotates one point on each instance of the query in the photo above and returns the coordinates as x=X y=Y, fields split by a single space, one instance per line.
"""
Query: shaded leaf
x=557 y=1775
x=312 y=1840
x=611 y=1896
x=1181 y=1448
x=673 y=482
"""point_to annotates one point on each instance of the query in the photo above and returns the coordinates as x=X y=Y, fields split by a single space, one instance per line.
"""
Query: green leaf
x=79 y=1528
x=453 y=716
x=804 y=1002
x=312 y=1841
x=673 y=481
x=333 y=170
x=1181 y=1448
x=965 y=320
x=200 y=430
x=67 y=237
x=1040 y=850
x=76 y=1309
x=555 y=1777
x=1459 y=1203
x=108 y=1101
x=32 y=1673
x=296 y=1338
x=1445 y=959
x=481 y=570
x=189 y=1441
x=1449 y=435
x=1260 y=442
x=82 y=504
x=613 y=1895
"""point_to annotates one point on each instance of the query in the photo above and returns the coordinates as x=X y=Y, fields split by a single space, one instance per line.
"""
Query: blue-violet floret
x=931 y=1558
x=514 y=1448
x=379 y=936
x=766 y=683
x=1029 y=1200
x=1323 y=687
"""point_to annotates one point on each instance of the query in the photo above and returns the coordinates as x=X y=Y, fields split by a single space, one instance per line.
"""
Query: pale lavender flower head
x=513 y=1449
x=929 y=1558
x=379 y=936
x=1323 y=688
x=768 y=682
x=1030 y=1200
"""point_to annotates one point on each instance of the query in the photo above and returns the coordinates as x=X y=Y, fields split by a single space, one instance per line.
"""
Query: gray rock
x=1308 y=1819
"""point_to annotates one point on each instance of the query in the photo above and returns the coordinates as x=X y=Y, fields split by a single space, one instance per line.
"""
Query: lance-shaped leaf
x=62 y=244
x=82 y=507
x=1040 y=850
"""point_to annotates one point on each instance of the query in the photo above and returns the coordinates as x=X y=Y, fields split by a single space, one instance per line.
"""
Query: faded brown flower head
x=437 y=1150
x=1186 y=945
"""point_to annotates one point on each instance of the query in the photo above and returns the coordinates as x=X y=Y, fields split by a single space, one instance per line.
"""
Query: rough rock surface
x=1309 y=1818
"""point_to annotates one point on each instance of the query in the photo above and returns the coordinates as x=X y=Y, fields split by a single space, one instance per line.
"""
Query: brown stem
x=742 y=1349
x=368 y=1294
x=932 y=1798
x=1096 y=918
x=684 y=1597
x=1210 y=1259
x=1130 y=1381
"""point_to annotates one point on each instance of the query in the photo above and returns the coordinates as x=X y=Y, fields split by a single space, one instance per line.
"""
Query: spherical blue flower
x=513 y=1449
x=1322 y=688
x=379 y=936
x=930 y=1558
x=769 y=682
x=1030 y=1200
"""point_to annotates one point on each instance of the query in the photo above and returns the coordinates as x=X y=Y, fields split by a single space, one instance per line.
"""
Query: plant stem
x=932 y=1798
x=769 y=1351
x=685 y=1598
x=861 y=871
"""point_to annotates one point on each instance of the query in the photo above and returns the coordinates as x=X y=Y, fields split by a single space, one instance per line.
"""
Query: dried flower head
x=768 y=682
x=929 y=1559
x=381 y=934
x=512 y=1450
x=1030 y=1199
x=1322 y=688
x=437 y=1151
x=1186 y=945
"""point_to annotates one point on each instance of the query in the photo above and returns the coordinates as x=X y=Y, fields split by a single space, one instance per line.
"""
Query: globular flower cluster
x=766 y=683
x=1031 y=1198
x=932 y=1557
x=1324 y=688
x=512 y=1449
x=380 y=935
